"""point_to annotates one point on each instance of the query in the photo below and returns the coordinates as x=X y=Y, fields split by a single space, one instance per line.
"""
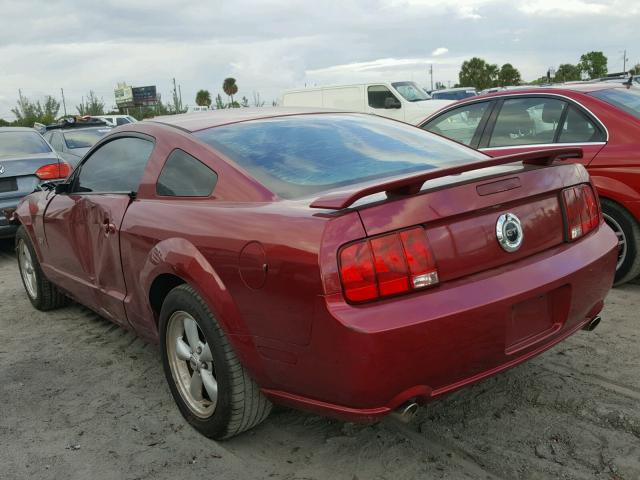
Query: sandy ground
x=81 y=398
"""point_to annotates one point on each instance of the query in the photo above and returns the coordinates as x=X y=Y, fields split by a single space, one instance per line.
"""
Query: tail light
x=387 y=265
x=582 y=211
x=53 y=171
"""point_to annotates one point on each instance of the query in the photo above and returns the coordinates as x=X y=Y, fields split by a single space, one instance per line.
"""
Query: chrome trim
x=556 y=145
x=509 y=221
x=538 y=94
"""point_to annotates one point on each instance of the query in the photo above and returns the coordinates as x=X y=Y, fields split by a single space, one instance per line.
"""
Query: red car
x=344 y=264
x=601 y=118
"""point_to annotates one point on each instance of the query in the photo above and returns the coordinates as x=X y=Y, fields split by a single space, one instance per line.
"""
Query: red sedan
x=601 y=118
x=344 y=264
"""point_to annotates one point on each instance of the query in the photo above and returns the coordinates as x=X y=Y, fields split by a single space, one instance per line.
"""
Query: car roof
x=587 y=87
x=192 y=122
x=17 y=129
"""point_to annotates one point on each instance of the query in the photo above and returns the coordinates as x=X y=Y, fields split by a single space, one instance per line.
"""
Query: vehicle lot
x=82 y=398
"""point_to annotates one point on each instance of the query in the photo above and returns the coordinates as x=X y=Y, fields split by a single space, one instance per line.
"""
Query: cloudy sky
x=271 y=45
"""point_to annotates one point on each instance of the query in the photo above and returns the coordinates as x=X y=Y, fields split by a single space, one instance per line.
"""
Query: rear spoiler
x=398 y=186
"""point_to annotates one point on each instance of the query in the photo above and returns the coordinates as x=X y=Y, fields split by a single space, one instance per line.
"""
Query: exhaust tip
x=405 y=412
x=592 y=324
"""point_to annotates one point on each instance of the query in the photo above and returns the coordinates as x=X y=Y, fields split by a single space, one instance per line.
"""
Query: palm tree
x=203 y=98
x=230 y=88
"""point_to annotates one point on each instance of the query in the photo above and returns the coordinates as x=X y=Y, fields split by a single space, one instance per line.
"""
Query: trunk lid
x=460 y=214
x=18 y=173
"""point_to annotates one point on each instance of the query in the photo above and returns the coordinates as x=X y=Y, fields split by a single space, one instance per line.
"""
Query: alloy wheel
x=191 y=364
x=622 y=238
x=27 y=269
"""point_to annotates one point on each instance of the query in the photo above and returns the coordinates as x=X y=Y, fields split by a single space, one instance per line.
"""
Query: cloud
x=46 y=46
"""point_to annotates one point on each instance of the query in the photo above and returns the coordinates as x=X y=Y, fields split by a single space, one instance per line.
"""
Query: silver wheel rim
x=27 y=269
x=622 y=239
x=191 y=364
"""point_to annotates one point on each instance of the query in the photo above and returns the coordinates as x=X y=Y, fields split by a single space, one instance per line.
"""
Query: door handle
x=108 y=227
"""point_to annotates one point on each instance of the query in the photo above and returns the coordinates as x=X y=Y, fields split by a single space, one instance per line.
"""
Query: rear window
x=84 y=138
x=457 y=95
x=625 y=99
x=22 y=143
x=303 y=154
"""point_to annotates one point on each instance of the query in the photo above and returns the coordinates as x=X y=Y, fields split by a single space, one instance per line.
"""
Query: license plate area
x=536 y=318
x=8 y=185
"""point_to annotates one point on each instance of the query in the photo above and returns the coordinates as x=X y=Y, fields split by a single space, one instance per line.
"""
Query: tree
x=478 y=73
x=635 y=70
x=230 y=88
x=257 y=102
x=567 y=73
x=508 y=75
x=203 y=98
x=594 y=64
x=92 y=106
x=27 y=112
x=244 y=102
x=219 y=103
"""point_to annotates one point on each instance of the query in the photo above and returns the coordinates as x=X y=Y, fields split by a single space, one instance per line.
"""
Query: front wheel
x=43 y=294
x=628 y=232
x=211 y=388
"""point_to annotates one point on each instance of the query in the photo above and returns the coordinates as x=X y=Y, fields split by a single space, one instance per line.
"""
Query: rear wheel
x=212 y=389
x=43 y=294
x=627 y=230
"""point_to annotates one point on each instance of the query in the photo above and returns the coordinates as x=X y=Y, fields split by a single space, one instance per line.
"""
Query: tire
x=236 y=403
x=628 y=231
x=43 y=294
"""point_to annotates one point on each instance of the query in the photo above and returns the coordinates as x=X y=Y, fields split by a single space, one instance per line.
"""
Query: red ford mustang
x=603 y=119
x=340 y=263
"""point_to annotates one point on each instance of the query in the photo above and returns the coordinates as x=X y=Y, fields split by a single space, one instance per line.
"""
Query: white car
x=115 y=120
x=404 y=101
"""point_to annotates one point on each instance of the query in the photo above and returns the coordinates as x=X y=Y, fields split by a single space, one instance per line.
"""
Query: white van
x=404 y=101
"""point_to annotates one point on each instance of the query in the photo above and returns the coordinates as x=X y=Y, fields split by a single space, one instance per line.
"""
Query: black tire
x=621 y=221
x=47 y=295
x=240 y=404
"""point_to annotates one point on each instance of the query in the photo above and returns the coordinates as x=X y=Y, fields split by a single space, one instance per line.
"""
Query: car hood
x=19 y=165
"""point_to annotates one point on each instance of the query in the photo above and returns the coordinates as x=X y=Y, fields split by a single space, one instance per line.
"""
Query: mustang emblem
x=509 y=232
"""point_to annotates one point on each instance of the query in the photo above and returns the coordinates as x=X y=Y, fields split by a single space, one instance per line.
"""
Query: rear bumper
x=7 y=229
x=365 y=361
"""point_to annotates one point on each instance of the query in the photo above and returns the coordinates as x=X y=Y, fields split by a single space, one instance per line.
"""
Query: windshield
x=453 y=95
x=623 y=98
x=22 y=143
x=84 y=138
x=410 y=91
x=304 y=154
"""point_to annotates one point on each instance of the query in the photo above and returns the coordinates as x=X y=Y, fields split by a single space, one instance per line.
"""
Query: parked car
x=404 y=101
x=454 y=93
x=72 y=140
x=602 y=118
x=339 y=263
x=26 y=160
x=115 y=120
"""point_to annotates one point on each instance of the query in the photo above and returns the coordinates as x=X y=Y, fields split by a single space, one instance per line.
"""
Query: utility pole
x=64 y=105
x=431 y=74
x=180 y=90
x=624 y=61
x=175 y=96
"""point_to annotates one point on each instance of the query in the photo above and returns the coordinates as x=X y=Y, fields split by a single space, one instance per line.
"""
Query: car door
x=538 y=122
x=82 y=226
x=381 y=101
x=464 y=123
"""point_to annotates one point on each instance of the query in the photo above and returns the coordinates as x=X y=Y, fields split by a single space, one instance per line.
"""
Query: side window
x=121 y=121
x=577 y=128
x=381 y=97
x=117 y=166
x=459 y=124
x=527 y=121
x=185 y=176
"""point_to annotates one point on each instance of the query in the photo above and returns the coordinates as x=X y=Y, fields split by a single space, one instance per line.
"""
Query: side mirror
x=392 y=102
x=62 y=188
